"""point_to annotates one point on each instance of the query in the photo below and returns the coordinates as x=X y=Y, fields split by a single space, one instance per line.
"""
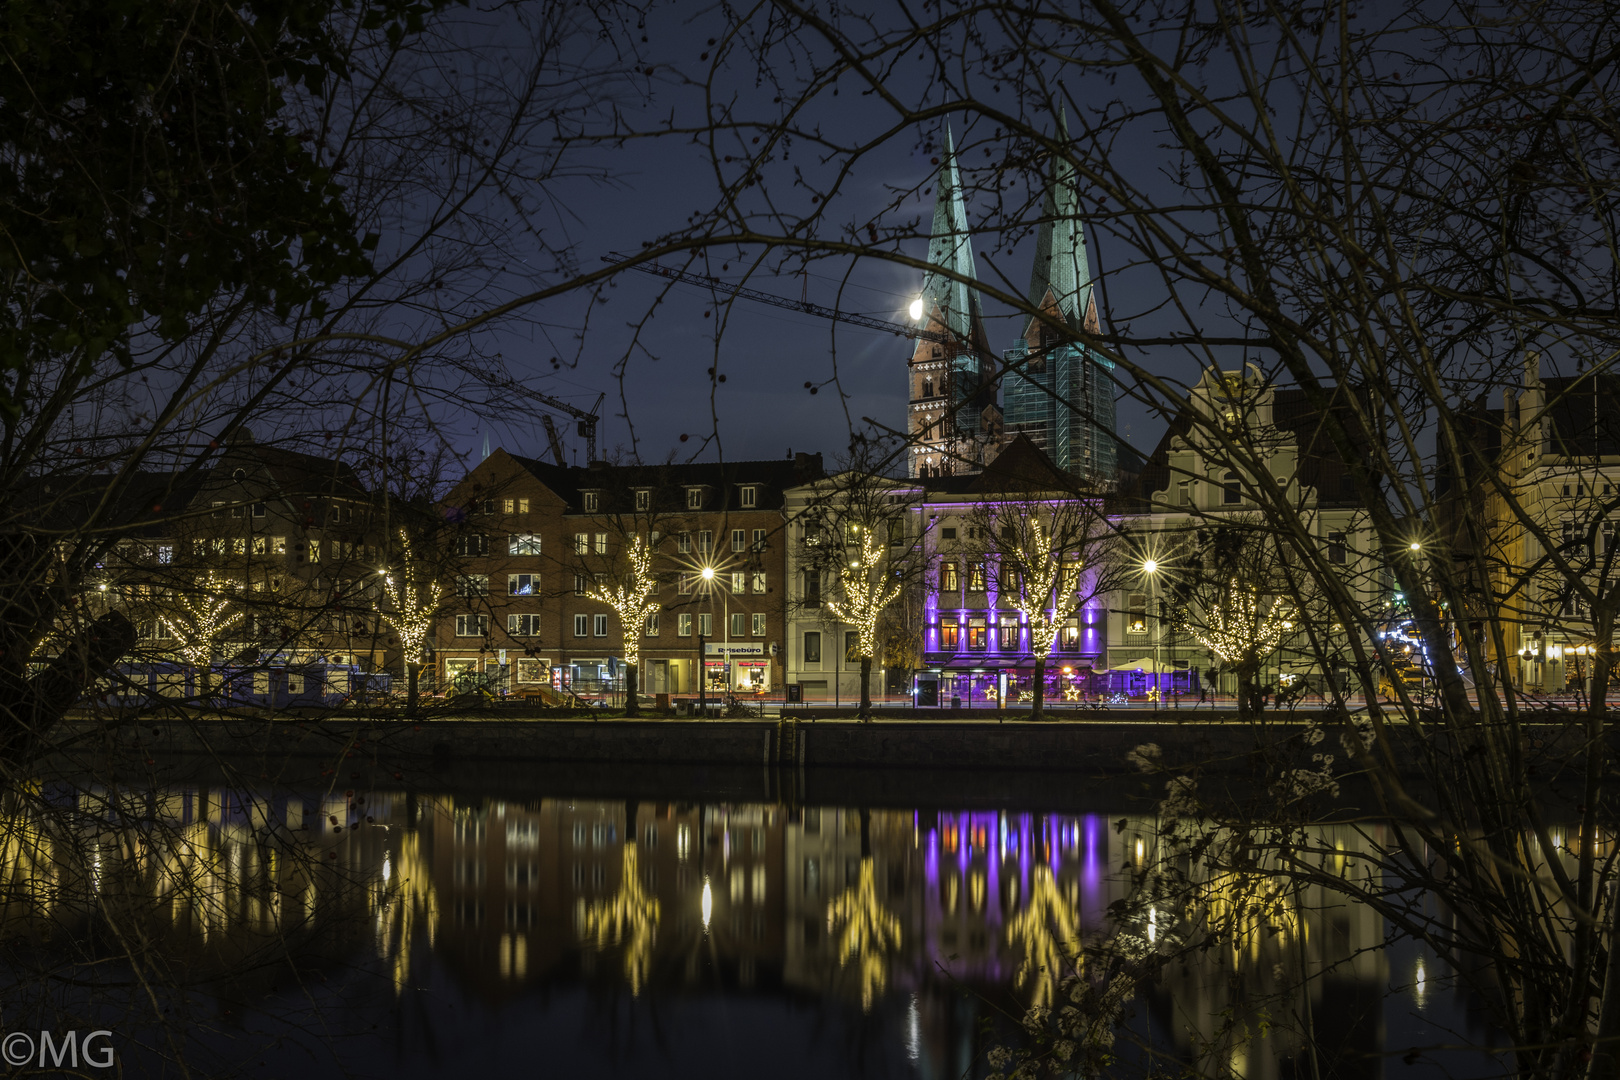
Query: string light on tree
x=630 y=918
x=204 y=615
x=414 y=606
x=866 y=594
x=1234 y=631
x=869 y=931
x=631 y=597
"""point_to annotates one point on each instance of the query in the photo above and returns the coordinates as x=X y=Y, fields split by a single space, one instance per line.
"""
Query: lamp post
x=1150 y=567
x=710 y=585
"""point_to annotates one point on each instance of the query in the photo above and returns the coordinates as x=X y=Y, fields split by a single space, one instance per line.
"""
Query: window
x=1009 y=578
x=523 y=544
x=705 y=542
x=218 y=503
x=472 y=585
x=852 y=646
x=592 y=502
x=259 y=510
x=976 y=577
x=1233 y=490
x=582 y=625
x=599 y=625
x=643 y=500
x=1136 y=613
x=1335 y=548
x=739 y=581
x=684 y=583
x=812 y=588
x=314 y=551
x=520 y=584
x=759 y=624
x=739 y=539
x=472 y=625
x=950 y=632
x=1184 y=493
x=261 y=545
x=165 y=553
x=582 y=543
x=1069 y=639
x=739 y=624
x=759 y=581
x=683 y=543
x=473 y=544
x=750 y=497
x=694 y=498
x=683 y=625
x=1574 y=540
x=947 y=577
x=523 y=625
x=812 y=646
x=705 y=624
x=947 y=533
x=579 y=584
x=509 y=506
x=601 y=547
x=1007 y=633
x=650 y=627
x=278 y=546
x=978 y=633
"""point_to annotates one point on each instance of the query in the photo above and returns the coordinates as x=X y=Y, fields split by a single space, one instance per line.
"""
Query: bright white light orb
x=916 y=308
x=708 y=573
x=1151 y=566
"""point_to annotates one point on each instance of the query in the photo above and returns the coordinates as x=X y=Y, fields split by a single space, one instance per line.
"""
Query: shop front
x=736 y=667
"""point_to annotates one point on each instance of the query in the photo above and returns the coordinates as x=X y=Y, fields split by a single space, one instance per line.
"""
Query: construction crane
x=804 y=307
x=585 y=422
x=551 y=437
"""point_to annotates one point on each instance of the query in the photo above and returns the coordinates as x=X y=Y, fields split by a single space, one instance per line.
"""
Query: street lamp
x=1150 y=567
x=709 y=578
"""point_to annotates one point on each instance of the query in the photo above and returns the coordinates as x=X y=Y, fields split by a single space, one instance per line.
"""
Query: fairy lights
x=204 y=615
x=629 y=917
x=866 y=594
x=1037 y=586
x=630 y=598
x=414 y=606
x=1234 y=629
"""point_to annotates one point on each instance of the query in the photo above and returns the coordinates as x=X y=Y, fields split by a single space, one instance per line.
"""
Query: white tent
x=1148 y=665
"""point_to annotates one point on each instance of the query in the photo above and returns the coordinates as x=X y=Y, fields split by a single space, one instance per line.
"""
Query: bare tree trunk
x=1248 y=689
x=1605 y=1063
x=632 y=707
x=412 y=673
x=54 y=690
x=1038 y=709
x=866 y=688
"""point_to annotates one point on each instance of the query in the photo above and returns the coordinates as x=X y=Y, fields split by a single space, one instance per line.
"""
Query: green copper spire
x=1061 y=267
x=955 y=303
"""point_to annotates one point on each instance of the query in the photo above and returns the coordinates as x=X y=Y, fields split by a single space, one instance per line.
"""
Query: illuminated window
x=950 y=632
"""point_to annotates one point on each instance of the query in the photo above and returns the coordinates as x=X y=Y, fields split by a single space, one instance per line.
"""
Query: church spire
x=952 y=304
x=1061 y=277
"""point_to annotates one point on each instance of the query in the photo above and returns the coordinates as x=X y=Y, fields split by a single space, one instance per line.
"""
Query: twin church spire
x=955 y=423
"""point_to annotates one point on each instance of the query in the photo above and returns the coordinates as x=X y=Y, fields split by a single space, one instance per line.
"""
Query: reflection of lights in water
x=1153 y=923
x=708 y=903
x=913 y=1030
x=1141 y=851
x=1420 y=984
x=388 y=870
x=683 y=842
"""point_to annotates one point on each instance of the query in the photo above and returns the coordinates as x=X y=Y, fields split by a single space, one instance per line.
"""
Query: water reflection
x=885 y=915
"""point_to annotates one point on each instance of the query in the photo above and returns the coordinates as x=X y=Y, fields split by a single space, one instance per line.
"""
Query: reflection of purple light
x=931 y=861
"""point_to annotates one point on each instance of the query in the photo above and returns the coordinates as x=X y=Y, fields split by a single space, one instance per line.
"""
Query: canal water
x=326 y=930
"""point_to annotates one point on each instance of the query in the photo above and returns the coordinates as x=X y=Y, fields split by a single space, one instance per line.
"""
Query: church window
x=928 y=388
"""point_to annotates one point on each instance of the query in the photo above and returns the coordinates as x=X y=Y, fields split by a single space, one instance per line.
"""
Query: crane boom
x=801 y=306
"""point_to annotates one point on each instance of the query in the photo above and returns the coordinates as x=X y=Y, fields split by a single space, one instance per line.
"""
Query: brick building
x=531 y=541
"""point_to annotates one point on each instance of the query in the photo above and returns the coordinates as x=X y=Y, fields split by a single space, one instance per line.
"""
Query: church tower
x=1059 y=392
x=954 y=421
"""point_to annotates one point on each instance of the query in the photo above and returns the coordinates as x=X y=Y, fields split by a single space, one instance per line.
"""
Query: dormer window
x=694 y=498
x=592 y=502
x=643 y=500
x=750 y=496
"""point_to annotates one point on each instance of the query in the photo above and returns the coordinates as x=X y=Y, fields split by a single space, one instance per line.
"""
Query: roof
x=1583 y=414
x=616 y=484
x=1020 y=467
x=1061 y=268
x=952 y=300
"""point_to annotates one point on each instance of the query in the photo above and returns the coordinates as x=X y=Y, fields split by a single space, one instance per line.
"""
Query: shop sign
x=734 y=648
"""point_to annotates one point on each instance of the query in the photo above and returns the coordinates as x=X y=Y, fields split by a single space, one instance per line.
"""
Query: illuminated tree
x=1234 y=630
x=414 y=607
x=866 y=592
x=631 y=598
x=203 y=616
x=1054 y=556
